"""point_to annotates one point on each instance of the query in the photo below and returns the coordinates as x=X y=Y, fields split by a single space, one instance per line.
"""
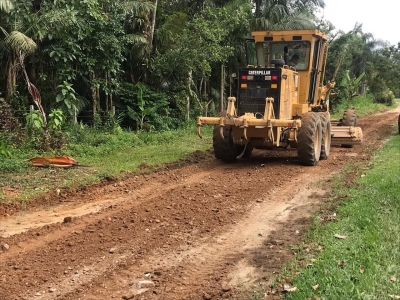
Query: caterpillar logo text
x=259 y=72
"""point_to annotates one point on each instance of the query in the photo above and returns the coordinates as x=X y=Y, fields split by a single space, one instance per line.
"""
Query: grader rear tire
x=349 y=119
x=326 y=135
x=309 y=139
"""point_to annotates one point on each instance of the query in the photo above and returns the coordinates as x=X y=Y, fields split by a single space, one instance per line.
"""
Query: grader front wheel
x=309 y=139
x=223 y=147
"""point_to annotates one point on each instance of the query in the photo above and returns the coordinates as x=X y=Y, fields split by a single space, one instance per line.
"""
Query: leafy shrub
x=42 y=138
x=146 y=107
x=54 y=140
x=7 y=120
x=4 y=152
x=86 y=141
x=12 y=164
x=56 y=119
x=10 y=160
x=384 y=98
x=348 y=87
x=113 y=123
x=18 y=103
x=68 y=101
x=34 y=123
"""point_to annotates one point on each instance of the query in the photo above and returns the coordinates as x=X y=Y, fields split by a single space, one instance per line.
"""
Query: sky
x=381 y=18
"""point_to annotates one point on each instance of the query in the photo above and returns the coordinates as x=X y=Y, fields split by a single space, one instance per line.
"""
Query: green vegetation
x=351 y=250
x=363 y=106
x=108 y=152
x=361 y=262
x=160 y=64
x=102 y=154
x=87 y=57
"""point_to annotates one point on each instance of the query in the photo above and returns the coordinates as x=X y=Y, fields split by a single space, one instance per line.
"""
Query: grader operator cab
x=282 y=102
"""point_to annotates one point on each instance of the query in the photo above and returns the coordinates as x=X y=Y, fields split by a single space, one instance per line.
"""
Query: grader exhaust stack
x=282 y=101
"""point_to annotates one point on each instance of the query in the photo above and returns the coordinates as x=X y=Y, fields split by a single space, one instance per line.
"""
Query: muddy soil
x=201 y=231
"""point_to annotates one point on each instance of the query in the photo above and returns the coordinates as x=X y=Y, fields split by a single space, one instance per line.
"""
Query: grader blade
x=346 y=135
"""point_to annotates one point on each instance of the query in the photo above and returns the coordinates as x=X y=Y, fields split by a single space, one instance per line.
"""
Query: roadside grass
x=103 y=155
x=362 y=261
x=363 y=106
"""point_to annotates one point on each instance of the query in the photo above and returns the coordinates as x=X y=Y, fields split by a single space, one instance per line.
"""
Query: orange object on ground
x=55 y=161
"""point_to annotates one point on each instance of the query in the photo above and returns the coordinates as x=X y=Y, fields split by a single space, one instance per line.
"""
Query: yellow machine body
x=280 y=104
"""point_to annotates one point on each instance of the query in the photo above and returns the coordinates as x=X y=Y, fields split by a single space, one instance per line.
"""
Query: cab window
x=268 y=51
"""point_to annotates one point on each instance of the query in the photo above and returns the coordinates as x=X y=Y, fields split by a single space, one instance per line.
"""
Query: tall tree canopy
x=95 y=54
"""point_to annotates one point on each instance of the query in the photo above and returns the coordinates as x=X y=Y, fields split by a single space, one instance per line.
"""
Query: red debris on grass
x=55 y=161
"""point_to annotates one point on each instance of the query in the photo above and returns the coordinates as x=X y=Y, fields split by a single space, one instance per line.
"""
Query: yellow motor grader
x=282 y=101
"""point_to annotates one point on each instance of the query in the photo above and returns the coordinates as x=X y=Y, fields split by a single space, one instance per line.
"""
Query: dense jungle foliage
x=158 y=63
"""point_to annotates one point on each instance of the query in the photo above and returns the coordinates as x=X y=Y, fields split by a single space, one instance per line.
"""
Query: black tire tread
x=223 y=147
x=310 y=126
x=349 y=119
x=326 y=126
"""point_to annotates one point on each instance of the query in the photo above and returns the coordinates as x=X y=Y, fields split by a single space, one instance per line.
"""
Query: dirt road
x=201 y=231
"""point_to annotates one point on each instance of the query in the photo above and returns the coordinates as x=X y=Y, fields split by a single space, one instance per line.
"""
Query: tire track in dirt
x=96 y=210
x=170 y=194
x=75 y=237
x=199 y=261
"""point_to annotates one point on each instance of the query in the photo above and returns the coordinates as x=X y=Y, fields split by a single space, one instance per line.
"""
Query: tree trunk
x=30 y=69
x=205 y=91
x=98 y=99
x=258 y=8
x=107 y=89
x=188 y=96
x=11 y=79
x=75 y=117
x=111 y=101
x=200 y=89
x=110 y=95
x=94 y=99
x=222 y=86
x=153 y=25
x=187 y=108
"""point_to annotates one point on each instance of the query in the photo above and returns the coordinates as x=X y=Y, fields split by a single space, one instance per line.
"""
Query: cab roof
x=288 y=35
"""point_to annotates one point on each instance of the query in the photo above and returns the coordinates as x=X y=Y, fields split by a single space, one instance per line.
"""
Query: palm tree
x=14 y=43
x=6 y=5
x=285 y=14
x=139 y=31
x=367 y=44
